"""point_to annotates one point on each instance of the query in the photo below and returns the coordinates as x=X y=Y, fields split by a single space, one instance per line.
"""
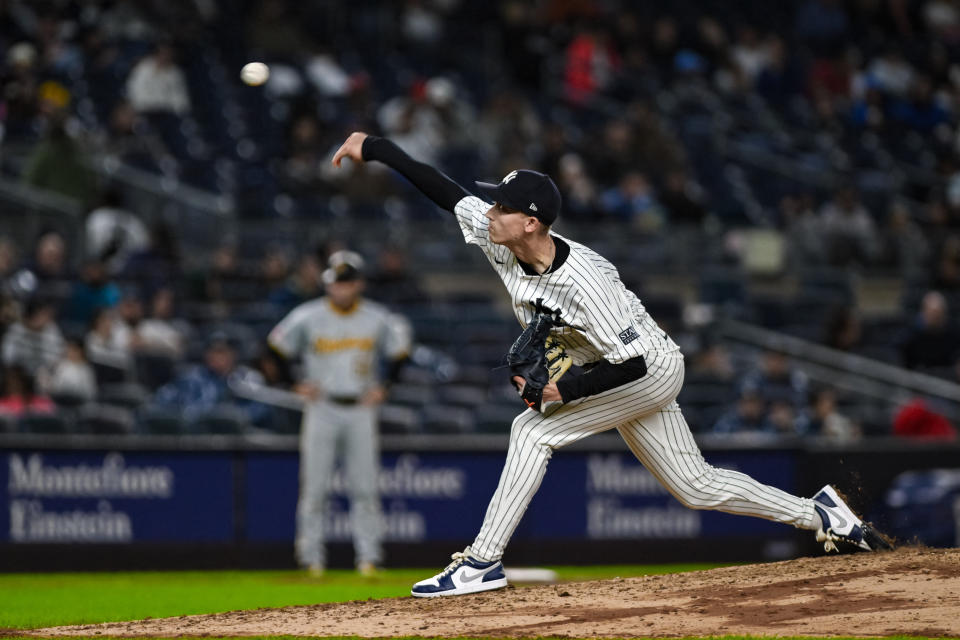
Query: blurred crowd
x=831 y=123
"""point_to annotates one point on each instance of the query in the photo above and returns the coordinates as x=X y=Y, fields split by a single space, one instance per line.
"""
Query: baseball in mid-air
x=254 y=73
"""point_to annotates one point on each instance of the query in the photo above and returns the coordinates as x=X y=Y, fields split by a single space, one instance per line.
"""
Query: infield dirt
x=911 y=591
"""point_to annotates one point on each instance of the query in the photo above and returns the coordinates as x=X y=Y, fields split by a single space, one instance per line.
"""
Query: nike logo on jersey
x=466 y=576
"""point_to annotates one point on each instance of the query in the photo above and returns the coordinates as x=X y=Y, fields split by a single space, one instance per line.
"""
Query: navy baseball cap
x=531 y=192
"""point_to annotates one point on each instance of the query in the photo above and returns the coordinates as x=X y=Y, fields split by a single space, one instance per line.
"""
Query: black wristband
x=600 y=378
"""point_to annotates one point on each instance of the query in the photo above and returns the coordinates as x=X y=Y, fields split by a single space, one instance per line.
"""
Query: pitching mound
x=904 y=592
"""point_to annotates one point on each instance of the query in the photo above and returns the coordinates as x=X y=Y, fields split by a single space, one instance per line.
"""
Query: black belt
x=343 y=400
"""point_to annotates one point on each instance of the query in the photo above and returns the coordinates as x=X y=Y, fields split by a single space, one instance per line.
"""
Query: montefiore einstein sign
x=52 y=502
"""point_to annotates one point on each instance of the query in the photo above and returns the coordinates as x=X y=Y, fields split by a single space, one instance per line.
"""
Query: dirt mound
x=905 y=592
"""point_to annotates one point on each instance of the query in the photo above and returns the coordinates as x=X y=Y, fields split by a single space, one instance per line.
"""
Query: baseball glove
x=537 y=357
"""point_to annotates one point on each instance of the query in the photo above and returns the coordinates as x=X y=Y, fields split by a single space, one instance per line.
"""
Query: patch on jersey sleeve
x=628 y=335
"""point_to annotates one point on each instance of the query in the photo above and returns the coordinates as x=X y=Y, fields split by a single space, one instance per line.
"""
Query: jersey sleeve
x=289 y=337
x=473 y=223
x=471 y=216
x=397 y=337
x=607 y=320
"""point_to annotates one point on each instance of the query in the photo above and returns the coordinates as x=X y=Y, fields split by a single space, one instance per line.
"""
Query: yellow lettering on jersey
x=322 y=345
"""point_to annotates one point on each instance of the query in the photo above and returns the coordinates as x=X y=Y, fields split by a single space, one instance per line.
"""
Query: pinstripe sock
x=648 y=418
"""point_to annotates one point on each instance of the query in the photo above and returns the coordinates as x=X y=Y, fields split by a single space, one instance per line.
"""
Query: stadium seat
x=461 y=395
x=105 y=419
x=224 y=420
x=153 y=370
x=440 y=419
x=398 y=419
x=410 y=395
x=43 y=423
x=496 y=418
x=125 y=394
x=161 y=421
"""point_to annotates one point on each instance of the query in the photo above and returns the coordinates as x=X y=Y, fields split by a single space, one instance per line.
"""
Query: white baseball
x=254 y=73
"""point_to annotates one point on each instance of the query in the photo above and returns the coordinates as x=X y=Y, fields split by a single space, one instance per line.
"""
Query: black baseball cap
x=531 y=192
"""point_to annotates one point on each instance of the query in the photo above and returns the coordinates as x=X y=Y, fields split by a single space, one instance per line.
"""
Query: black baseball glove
x=537 y=357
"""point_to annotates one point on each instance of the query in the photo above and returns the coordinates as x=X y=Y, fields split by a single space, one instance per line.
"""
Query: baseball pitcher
x=633 y=372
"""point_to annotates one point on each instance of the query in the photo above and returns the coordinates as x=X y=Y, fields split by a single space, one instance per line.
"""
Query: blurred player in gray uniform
x=634 y=372
x=349 y=346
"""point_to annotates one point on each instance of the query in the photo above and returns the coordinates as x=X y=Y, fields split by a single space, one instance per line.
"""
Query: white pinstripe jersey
x=604 y=319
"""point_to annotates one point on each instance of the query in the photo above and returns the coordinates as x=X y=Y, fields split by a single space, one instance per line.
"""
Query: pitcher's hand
x=352 y=148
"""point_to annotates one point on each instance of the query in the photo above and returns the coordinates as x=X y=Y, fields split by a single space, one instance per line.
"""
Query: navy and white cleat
x=840 y=524
x=464 y=575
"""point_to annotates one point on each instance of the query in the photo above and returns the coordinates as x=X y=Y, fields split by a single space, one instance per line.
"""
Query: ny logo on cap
x=510 y=176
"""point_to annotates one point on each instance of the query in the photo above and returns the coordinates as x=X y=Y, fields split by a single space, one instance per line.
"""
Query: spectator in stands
x=206 y=386
x=633 y=201
x=9 y=259
x=124 y=140
x=823 y=25
x=916 y=419
x=48 y=267
x=20 y=91
x=682 y=198
x=72 y=376
x=159 y=333
x=711 y=364
x=304 y=153
x=302 y=285
x=578 y=189
x=946 y=268
x=275 y=266
x=779 y=80
x=210 y=283
x=20 y=395
x=919 y=110
x=804 y=230
x=94 y=291
x=108 y=342
x=57 y=163
x=274 y=31
x=904 y=245
x=842 y=329
x=826 y=421
x=592 y=64
x=35 y=342
x=776 y=378
x=748 y=416
x=157 y=85
x=784 y=420
x=113 y=233
x=159 y=264
x=393 y=282
x=851 y=235
x=931 y=341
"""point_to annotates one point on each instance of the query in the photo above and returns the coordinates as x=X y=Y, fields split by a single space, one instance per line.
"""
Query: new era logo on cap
x=531 y=192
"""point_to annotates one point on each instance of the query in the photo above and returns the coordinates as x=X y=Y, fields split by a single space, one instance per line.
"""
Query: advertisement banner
x=116 y=497
x=444 y=496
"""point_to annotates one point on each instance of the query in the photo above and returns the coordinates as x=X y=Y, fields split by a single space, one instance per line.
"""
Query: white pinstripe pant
x=649 y=420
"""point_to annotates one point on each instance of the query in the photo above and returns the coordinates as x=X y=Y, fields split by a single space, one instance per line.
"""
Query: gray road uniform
x=342 y=352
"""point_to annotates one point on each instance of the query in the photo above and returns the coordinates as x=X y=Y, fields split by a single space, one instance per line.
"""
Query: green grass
x=42 y=600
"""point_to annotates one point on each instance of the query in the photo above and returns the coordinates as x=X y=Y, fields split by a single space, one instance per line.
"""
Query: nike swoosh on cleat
x=479 y=574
